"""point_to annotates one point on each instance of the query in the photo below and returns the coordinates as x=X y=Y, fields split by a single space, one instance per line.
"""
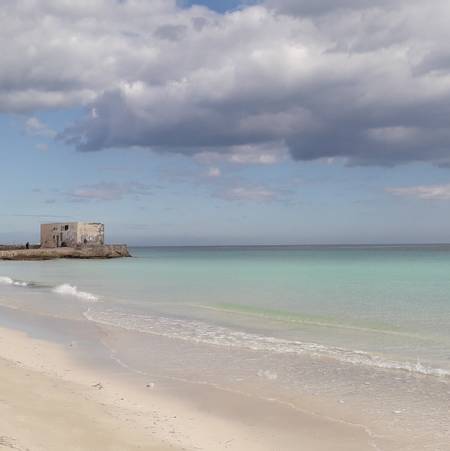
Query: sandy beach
x=43 y=408
x=51 y=402
x=224 y=225
x=43 y=413
x=94 y=355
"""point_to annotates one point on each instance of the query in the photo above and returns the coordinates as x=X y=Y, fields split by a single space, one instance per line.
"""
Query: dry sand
x=41 y=413
x=49 y=401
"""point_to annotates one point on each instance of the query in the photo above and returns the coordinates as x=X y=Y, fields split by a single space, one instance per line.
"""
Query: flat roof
x=70 y=222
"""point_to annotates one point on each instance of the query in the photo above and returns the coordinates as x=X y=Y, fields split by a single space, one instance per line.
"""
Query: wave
x=71 y=290
x=202 y=332
x=63 y=289
x=296 y=318
x=9 y=281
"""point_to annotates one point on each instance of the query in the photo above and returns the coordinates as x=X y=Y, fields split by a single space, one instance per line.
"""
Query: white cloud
x=214 y=172
x=265 y=154
x=364 y=80
x=42 y=147
x=34 y=126
x=249 y=193
x=108 y=191
x=249 y=154
x=425 y=192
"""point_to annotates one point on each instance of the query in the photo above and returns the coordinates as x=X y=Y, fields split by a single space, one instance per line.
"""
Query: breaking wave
x=9 y=281
x=201 y=332
x=71 y=290
x=64 y=289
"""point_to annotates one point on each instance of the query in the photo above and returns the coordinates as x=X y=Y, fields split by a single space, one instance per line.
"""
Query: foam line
x=201 y=332
x=71 y=290
x=9 y=281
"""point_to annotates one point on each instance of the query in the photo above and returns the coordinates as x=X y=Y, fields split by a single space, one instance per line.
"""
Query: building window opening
x=66 y=227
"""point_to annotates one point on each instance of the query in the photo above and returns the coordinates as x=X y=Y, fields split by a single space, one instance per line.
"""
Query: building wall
x=59 y=234
x=72 y=234
x=91 y=234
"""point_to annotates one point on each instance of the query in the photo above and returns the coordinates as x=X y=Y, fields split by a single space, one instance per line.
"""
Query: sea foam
x=9 y=281
x=201 y=332
x=71 y=290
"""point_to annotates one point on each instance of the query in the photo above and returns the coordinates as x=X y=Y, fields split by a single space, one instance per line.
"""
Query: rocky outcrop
x=106 y=251
x=15 y=247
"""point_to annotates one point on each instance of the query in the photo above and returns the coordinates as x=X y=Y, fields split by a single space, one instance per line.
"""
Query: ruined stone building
x=72 y=234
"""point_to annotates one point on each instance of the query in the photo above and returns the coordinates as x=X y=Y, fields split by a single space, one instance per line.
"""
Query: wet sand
x=50 y=401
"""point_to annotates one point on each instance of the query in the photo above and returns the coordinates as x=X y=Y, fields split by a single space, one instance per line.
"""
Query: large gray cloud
x=319 y=7
x=365 y=81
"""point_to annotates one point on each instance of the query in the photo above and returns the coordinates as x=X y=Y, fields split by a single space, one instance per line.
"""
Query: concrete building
x=72 y=234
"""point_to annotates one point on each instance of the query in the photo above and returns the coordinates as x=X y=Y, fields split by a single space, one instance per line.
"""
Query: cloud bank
x=108 y=191
x=424 y=192
x=367 y=81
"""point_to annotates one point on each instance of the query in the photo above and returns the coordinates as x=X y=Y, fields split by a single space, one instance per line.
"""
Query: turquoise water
x=392 y=303
x=364 y=332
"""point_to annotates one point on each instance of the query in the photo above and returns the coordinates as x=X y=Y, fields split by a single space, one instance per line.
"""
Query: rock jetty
x=87 y=252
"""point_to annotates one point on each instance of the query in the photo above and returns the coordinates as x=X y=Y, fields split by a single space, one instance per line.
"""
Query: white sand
x=49 y=401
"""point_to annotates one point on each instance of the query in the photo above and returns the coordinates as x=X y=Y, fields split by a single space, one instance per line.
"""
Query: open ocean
x=322 y=320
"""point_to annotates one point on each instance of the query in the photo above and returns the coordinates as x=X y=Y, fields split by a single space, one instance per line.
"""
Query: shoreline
x=159 y=416
x=192 y=392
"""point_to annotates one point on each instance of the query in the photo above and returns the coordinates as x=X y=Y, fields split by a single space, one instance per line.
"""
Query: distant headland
x=67 y=240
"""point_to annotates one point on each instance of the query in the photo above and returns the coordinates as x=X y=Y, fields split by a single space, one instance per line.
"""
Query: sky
x=227 y=122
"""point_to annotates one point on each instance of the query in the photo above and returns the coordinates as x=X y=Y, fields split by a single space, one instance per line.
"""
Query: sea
x=366 y=328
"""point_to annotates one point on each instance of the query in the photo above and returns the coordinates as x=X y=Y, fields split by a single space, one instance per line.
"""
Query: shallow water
x=366 y=327
x=393 y=302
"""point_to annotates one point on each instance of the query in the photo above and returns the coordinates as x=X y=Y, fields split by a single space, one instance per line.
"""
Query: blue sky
x=185 y=150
